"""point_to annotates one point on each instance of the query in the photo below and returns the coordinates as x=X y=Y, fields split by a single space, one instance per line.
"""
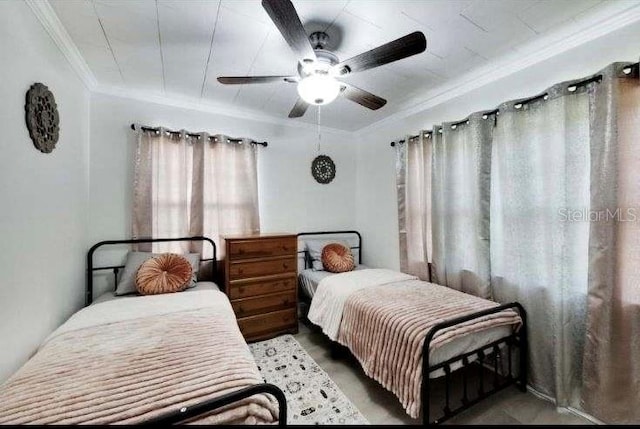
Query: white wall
x=43 y=197
x=377 y=217
x=54 y=206
x=290 y=199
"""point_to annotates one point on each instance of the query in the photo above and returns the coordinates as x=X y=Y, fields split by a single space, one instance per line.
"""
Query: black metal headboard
x=306 y=253
x=116 y=268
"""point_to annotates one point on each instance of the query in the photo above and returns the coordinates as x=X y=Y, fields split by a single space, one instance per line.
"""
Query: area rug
x=312 y=397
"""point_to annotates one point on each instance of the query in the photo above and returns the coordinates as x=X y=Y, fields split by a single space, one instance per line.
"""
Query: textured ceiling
x=177 y=48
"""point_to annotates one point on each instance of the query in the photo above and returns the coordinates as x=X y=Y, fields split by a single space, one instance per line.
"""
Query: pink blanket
x=385 y=328
x=128 y=371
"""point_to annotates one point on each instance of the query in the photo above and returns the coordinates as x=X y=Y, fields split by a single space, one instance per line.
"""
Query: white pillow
x=127 y=282
x=314 y=247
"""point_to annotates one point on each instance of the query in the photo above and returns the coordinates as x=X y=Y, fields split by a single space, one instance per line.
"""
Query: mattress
x=109 y=296
x=310 y=278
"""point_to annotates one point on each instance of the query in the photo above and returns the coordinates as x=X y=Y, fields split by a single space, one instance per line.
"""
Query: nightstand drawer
x=265 y=267
x=263 y=247
x=244 y=289
x=264 y=304
x=265 y=324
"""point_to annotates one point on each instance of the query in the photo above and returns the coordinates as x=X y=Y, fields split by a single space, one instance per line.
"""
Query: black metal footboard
x=482 y=355
x=187 y=413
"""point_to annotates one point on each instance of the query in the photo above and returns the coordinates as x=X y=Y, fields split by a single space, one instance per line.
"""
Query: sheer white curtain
x=194 y=185
x=413 y=180
x=539 y=256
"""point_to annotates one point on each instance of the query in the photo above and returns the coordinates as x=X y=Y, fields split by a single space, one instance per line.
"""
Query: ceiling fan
x=319 y=68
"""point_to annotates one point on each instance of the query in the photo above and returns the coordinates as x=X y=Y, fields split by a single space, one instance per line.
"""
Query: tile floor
x=379 y=406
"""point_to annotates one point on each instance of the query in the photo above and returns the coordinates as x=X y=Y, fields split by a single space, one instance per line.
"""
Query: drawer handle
x=240 y=310
x=285 y=266
x=286 y=301
x=241 y=251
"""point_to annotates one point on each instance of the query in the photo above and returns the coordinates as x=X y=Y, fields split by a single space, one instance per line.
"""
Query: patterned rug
x=312 y=397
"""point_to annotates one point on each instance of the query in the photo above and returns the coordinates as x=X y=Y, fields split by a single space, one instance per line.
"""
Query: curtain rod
x=157 y=129
x=573 y=87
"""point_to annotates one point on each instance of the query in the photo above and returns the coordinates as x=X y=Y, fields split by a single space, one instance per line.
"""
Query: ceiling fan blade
x=299 y=108
x=404 y=47
x=240 y=80
x=362 y=97
x=285 y=17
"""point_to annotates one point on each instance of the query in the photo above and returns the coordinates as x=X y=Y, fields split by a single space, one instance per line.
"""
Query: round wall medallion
x=42 y=117
x=323 y=169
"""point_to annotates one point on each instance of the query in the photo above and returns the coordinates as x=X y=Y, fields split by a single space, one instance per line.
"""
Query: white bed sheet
x=126 y=307
x=309 y=279
x=109 y=296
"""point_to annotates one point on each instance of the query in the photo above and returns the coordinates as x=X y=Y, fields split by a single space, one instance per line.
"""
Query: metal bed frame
x=116 y=268
x=480 y=357
x=186 y=413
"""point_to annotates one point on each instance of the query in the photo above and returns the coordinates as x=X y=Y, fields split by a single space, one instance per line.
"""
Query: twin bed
x=166 y=358
x=405 y=332
x=180 y=357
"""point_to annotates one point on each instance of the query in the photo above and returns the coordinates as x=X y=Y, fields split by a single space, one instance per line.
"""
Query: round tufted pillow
x=165 y=273
x=337 y=258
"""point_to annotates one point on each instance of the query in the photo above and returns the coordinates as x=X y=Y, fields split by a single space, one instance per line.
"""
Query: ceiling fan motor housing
x=324 y=58
x=319 y=39
x=322 y=65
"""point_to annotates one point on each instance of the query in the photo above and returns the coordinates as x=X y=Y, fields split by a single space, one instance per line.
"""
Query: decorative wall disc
x=323 y=169
x=42 y=117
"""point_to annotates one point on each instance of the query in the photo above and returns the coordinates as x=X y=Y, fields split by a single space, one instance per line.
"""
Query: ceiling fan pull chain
x=319 y=133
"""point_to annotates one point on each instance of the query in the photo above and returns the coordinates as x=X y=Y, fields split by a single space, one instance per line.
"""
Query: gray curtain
x=554 y=181
x=540 y=175
x=460 y=183
x=192 y=185
x=612 y=350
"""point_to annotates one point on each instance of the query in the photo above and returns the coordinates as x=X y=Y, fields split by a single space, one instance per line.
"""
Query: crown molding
x=206 y=107
x=51 y=23
x=617 y=15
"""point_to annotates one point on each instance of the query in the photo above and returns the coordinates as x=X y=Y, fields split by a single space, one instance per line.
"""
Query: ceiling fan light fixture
x=319 y=69
x=318 y=89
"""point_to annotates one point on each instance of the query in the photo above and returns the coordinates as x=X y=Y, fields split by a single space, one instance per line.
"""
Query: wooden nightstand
x=261 y=281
